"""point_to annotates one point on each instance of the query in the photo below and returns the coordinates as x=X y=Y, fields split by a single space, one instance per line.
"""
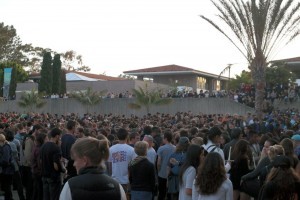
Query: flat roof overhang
x=151 y=74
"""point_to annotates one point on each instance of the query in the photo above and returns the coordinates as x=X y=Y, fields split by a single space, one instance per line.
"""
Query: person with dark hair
x=133 y=138
x=89 y=155
x=37 y=193
x=163 y=154
x=17 y=180
x=52 y=167
x=119 y=157
x=282 y=182
x=187 y=173
x=67 y=140
x=6 y=167
x=255 y=148
x=242 y=157
x=235 y=135
x=211 y=181
x=176 y=160
x=157 y=138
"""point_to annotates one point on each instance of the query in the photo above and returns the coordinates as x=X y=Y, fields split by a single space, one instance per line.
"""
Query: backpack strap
x=213 y=149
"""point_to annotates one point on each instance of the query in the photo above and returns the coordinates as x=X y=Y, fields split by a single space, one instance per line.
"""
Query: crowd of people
x=182 y=156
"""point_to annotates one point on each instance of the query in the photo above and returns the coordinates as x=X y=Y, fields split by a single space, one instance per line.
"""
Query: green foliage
x=88 y=97
x=56 y=74
x=31 y=100
x=45 y=84
x=244 y=77
x=277 y=73
x=257 y=29
x=63 y=82
x=147 y=98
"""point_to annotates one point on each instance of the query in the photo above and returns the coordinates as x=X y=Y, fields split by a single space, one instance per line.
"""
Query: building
x=181 y=76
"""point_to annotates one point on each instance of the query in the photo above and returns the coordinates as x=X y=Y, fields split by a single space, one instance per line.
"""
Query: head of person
x=141 y=148
x=149 y=140
x=55 y=135
x=252 y=137
x=71 y=125
x=89 y=152
x=2 y=139
x=241 y=148
x=182 y=144
x=194 y=155
x=287 y=145
x=197 y=140
x=236 y=133
x=269 y=142
x=167 y=136
x=40 y=138
x=134 y=137
x=274 y=151
x=214 y=135
x=211 y=174
x=284 y=177
x=296 y=140
x=122 y=134
x=9 y=135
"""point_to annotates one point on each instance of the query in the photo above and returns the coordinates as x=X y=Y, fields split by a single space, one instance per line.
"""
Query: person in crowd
x=242 y=157
x=254 y=145
x=52 y=166
x=296 y=141
x=235 y=135
x=119 y=157
x=89 y=155
x=151 y=153
x=141 y=174
x=187 y=173
x=37 y=193
x=211 y=144
x=211 y=181
x=282 y=182
x=268 y=142
x=6 y=167
x=17 y=180
x=287 y=145
x=163 y=154
x=133 y=138
x=176 y=160
x=67 y=140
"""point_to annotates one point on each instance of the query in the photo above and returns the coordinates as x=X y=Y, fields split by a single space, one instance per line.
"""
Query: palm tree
x=259 y=28
x=147 y=98
x=30 y=100
x=88 y=97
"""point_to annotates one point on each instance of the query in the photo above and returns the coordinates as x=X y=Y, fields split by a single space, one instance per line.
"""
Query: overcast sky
x=119 y=35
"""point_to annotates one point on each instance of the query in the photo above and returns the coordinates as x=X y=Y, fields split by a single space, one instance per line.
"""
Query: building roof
x=82 y=75
x=169 y=70
x=289 y=60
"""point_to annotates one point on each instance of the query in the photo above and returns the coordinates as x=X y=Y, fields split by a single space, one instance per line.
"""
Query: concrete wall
x=120 y=106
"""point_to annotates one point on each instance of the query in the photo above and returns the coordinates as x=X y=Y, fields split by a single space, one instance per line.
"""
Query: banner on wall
x=6 y=82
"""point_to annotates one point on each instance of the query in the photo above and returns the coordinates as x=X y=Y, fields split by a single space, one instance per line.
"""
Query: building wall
x=120 y=106
x=182 y=80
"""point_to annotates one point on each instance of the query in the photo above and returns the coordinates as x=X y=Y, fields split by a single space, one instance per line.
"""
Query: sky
x=120 y=35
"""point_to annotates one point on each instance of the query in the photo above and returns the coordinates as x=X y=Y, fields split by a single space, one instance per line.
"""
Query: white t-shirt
x=66 y=193
x=225 y=192
x=187 y=183
x=151 y=155
x=120 y=155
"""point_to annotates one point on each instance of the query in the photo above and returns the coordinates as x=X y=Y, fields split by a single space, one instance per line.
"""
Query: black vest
x=92 y=183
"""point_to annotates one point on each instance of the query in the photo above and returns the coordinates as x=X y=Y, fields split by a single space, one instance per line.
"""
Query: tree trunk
x=258 y=67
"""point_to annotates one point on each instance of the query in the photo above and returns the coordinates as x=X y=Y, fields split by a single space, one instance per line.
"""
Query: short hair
x=168 y=135
x=55 y=132
x=9 y=134
x=147 y=130
x=140 y=148
x=122 y=134
x=132 y=135
x=71 y=124
x=235 y=133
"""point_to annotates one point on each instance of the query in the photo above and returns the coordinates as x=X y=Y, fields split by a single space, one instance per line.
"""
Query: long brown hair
x=211 y=174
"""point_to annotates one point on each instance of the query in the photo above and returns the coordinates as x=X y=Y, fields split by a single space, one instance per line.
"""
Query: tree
x=56 y=75
x=259 y=27
x=72 y=61
x=278 y=74
x=244 y=77
x=31 y=100
x=147 y=98
x=88 y=97
x=63 y=82
x=45 y=84
x=125 y=76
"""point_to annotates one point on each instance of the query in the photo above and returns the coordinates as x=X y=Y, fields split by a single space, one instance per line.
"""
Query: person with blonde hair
x=89 y=155
x=6 y=167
